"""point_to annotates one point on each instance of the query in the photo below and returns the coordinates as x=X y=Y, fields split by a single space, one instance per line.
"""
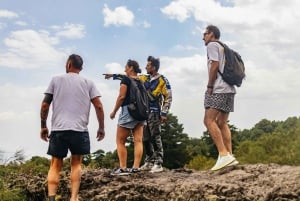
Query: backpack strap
x=134 y=84
x=224 y=46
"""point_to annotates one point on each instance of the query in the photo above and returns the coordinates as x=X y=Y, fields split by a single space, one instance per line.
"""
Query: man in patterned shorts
x=219 y=99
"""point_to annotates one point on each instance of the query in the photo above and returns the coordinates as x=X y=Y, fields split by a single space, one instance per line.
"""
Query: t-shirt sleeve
x=213 y=51
x=50 y=89
x=93 y=91
x=125 y=80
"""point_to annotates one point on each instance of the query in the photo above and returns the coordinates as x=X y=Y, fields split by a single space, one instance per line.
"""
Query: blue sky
x=37 y=36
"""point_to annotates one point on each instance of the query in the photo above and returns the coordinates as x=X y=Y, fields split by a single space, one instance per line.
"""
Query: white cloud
x=8 y=14
x=179 y=10
x=6 y=116
x=248 y=15
x=114 y=68
x=183 y=68
x=2 y=25
x=186 y=48
x=239 y=13
x=19 y=118
x=146 y=24
x=71 y=31
x=187 y=76
x=264 y=37
x=265 y=33
x=271 y=94
x=120 y=16
x=30 y=49
x=21 y=23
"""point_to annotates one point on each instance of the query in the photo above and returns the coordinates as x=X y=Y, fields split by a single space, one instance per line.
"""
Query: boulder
x=257 y=182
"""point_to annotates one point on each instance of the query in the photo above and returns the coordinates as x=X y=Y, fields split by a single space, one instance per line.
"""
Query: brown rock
x=244 y=182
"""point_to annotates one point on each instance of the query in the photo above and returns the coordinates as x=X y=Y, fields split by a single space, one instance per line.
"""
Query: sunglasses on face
x=205 y=33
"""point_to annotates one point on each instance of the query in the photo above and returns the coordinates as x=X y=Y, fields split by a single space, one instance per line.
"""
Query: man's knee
x=208 y=122
x=221 y=123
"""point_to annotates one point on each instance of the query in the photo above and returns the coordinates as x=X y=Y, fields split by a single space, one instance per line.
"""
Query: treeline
x=267 y=142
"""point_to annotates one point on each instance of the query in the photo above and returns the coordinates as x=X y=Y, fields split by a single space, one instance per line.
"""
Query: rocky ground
x=244 y=182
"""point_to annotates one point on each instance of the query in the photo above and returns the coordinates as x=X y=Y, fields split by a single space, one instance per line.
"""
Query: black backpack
x=234 y=69
x=139 y=106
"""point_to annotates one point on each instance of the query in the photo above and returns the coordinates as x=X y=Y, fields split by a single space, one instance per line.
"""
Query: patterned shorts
x=220 y=101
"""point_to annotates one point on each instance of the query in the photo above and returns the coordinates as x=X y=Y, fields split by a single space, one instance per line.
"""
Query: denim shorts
x=61 y=141
x=126 y=120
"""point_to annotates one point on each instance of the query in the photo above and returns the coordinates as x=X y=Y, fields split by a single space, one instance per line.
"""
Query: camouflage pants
x=152 y=139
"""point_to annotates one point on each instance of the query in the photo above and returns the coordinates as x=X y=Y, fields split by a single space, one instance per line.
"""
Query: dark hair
x=215 y=30
x=154 y=61
x=135 y=65
x=76 y=61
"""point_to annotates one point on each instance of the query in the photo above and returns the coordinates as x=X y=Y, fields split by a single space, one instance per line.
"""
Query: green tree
x=94 y=159
x=17 y=158
x=36 y=165
x=291 y=122
x=211 y=149
x=110 y=160
x=278 y=143
x=196 y=147
x=200 y=162
x=1 y=156
x=174 y=144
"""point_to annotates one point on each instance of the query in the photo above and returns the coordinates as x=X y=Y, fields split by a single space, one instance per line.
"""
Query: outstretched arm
x=114 y=76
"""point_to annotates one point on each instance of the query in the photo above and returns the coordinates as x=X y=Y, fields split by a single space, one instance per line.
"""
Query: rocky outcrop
x=244 y=182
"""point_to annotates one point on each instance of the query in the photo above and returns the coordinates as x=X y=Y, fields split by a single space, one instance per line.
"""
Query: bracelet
x=210 y=86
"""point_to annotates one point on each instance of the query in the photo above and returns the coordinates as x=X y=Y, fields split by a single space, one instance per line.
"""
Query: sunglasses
x=205 y=33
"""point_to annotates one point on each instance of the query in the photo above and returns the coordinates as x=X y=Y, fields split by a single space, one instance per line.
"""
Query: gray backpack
x=139 y=106
x=234 y=69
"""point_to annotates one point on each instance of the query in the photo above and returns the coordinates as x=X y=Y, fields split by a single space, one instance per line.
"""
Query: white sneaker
x=157 y=168
x=147 y=166
x=235 y=162
x=223 y=161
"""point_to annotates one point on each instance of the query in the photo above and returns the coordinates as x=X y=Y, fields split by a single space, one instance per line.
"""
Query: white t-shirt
x=71 y=103
x=215 y=52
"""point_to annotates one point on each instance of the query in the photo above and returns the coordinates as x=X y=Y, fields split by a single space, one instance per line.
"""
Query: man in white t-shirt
x=219 y=99
x=71 y=96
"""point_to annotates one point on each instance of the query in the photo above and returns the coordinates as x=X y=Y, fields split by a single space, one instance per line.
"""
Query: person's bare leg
x=222 y=121
x=75 y=176
x=214 y=131
x=53 y=175
x=122 y=134
x=138 y=145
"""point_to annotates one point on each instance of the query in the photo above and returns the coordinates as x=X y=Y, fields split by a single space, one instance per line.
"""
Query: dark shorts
x=61 y=141
x=220 y=101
